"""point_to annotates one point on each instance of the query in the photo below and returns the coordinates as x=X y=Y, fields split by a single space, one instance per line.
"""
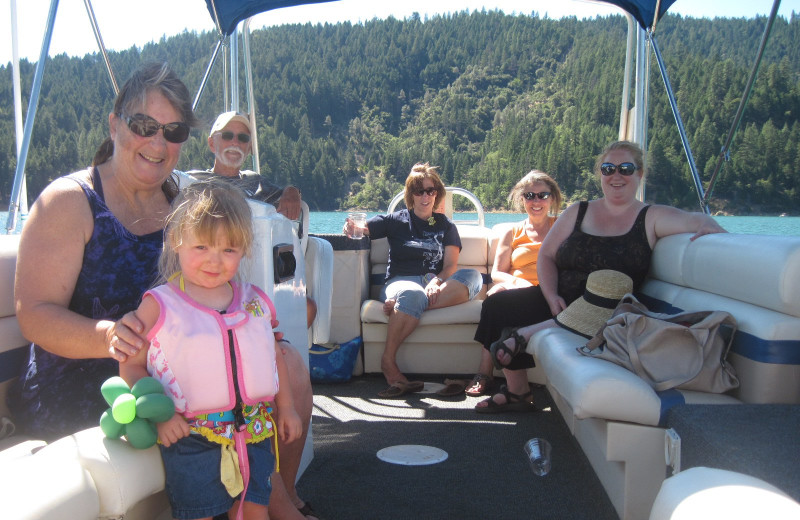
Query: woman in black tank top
x=615 y=232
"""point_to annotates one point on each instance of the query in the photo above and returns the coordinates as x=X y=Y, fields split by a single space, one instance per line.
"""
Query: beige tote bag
x=686 y=350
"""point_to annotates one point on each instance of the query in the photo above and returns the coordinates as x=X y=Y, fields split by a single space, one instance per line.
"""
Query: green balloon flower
x=135 y=411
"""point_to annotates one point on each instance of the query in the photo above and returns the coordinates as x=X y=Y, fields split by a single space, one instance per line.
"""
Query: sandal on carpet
x=519 y=346
x=401 y=388
x=479 y=384
x=452 y=388
x=307 y=511
x=514 y=403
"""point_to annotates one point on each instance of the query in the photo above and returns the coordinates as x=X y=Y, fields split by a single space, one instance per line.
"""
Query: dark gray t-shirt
x=254 y=185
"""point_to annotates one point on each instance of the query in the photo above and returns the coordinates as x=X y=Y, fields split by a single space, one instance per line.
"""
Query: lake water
x=327 y=222
x=330 y=222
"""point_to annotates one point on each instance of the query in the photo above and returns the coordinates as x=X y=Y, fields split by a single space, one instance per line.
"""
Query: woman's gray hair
x=153 y=76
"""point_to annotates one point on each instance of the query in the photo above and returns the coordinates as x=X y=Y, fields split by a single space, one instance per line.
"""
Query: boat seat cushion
x=467 y=313
x=715 y=493
x=598 y=388
x=757 y=284
x=122 y=475
x=48 y=485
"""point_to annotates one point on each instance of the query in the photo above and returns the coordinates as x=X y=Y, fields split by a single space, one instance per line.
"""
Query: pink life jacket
x=198 y=352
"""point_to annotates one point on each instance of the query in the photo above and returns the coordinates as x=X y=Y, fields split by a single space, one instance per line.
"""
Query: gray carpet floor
x=486 y=474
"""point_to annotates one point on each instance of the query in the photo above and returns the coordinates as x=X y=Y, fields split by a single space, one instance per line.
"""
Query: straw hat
x=604 y=290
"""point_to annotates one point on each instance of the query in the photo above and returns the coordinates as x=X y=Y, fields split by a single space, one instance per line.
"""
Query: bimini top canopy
x=643 y=10
x=228 y=13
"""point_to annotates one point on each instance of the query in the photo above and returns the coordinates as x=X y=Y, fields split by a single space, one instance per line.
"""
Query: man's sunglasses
x=228 y=136
x=626 y=168
x=430 y=192
x=531 y=195
x=146 y=126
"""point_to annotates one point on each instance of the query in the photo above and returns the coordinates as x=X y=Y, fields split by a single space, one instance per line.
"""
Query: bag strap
x=324 y=350
x=628 y=303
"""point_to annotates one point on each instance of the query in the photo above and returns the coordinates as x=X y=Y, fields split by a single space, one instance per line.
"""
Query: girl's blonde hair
x=202 y=208
x=531 y=178
x=419 y=172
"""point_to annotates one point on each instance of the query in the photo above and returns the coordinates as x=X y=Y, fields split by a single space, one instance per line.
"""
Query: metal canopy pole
x=678 y=121
x=100 y=44
x=724 y=153
x=251 y=99
x=33 y=104
x=203 y=82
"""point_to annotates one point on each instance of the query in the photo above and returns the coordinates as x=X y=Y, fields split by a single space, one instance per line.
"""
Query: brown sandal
x=479 y=385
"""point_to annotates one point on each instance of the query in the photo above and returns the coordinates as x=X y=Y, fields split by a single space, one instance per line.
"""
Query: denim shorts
x=193 y=484
x=409 y=291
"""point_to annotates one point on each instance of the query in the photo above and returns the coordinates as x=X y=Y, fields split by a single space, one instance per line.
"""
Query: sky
x=124 y=24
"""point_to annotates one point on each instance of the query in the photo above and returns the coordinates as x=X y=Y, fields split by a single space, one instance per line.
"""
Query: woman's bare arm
x=48 y=264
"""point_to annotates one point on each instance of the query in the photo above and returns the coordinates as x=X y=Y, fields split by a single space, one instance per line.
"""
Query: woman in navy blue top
x=423 y=256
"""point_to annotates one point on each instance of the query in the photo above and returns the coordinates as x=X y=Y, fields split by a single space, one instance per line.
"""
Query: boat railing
x=448 y=205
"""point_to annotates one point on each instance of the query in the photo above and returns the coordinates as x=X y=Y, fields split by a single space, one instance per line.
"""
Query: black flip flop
x=452 y=388
x=402 y=388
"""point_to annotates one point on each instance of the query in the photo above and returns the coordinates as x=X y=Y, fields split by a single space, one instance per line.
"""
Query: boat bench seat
x=618 y=419
x=85 y=476
x=443 y=342
x=703 y=492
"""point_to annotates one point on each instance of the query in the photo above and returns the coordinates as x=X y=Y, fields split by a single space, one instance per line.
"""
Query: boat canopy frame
x=228 y=15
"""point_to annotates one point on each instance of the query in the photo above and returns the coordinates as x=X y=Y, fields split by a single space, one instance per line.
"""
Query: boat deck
x=486 y=473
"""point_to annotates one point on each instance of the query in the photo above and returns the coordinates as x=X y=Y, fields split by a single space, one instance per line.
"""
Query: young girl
x=212 y=346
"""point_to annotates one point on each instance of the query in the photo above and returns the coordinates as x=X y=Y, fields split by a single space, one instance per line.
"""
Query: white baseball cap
x=226 y=117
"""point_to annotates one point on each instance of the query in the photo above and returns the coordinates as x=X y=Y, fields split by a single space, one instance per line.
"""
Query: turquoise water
x=330 y=222
x=326 y=222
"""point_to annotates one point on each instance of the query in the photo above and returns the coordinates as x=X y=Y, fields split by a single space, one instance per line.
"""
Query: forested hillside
x=345 y=110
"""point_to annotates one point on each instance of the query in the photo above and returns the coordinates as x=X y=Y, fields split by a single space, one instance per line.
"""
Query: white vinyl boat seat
x=716 y=493
x=617 y=418
x=443 y=342
x=85 y=476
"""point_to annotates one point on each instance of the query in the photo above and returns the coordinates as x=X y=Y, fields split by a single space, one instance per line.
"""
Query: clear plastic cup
x=538 y=453
x=359 y=221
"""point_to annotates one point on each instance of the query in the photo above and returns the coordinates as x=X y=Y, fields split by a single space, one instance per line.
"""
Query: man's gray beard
x=223 y=158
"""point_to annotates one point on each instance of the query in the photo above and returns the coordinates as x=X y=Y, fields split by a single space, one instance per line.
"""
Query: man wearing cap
x=229 y=141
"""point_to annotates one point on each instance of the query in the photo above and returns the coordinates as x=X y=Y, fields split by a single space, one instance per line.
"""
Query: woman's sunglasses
x=228 y=136
x=626 y=168
x=430 y=192
x=146 y=126
x=531 y=195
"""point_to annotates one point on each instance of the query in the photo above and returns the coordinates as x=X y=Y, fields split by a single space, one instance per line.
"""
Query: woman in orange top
x=517 y=252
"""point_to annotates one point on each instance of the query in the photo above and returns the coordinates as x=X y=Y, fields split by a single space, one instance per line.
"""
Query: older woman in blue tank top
x=87 y=254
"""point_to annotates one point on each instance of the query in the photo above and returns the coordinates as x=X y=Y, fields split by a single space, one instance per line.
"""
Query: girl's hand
x=123 y=337
x=173 y=430
x=289 y=425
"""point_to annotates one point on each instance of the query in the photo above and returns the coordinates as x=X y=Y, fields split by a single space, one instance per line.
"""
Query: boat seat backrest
x=13 y=347
x=474 y=254
x=756 y=279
